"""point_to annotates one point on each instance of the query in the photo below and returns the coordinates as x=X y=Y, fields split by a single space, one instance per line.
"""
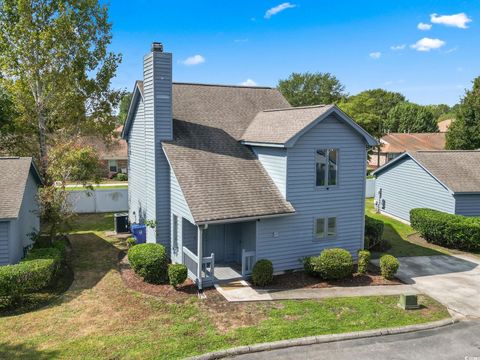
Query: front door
x=214 y=242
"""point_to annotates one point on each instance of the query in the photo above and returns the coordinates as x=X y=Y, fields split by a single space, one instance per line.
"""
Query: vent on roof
x=157 y=46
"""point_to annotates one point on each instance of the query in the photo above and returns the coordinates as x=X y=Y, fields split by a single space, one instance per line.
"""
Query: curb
x=321 y=339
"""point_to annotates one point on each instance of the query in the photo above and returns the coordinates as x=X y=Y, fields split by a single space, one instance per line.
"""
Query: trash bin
x=139 y=233
x=121 y=223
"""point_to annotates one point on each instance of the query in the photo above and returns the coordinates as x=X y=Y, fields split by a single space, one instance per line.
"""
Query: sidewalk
x=239 y=291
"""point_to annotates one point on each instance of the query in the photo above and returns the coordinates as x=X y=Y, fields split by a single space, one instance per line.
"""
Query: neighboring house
x=395 y=144
x=19 y=181
x=113 y=156
x=444 y=125
x=236 y=172
x=447 y=181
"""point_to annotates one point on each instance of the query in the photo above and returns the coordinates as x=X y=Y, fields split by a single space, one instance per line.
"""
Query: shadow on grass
x=23 y=351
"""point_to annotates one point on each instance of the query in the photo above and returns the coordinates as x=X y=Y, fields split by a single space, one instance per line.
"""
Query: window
x=325 y=227
x=326 y=162
x=113 y=165
x=175 y=231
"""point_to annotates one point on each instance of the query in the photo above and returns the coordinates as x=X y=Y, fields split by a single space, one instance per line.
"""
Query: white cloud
x=193 y=60
x=427 y=44
x=276 y=9
x=248 y=82
x=423 y=26
x=457 y=20
x=375 y=55
x=397 y=47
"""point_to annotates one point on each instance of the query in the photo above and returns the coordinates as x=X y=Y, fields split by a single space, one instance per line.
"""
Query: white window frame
x=326 y=235
x=327 y=169
x=175 y=229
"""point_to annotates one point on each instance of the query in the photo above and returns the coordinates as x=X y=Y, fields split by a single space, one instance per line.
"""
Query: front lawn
x=397 y=232
x=99 y=317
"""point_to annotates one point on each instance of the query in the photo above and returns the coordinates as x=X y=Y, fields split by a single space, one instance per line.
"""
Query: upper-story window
x=326 y=167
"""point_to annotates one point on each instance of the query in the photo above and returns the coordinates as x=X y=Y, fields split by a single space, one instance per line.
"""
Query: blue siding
x=406 y=185
x=467 y=204
x=274 y=160
x=284 y=240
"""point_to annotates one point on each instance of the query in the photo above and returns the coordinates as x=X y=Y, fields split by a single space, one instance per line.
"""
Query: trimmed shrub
x=177 y=274
x=150 y=261
x=308 y=266
x=449 y=230
x=363 y=261
x=121 y=177
x=131 y=242
x=373 y=232
x=388 y=266
x=262 y=272
x=333 y=264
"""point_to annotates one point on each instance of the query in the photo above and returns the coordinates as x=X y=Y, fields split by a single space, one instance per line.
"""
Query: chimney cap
x=157 y=46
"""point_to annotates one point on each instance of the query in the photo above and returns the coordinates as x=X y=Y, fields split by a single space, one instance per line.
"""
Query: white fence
x=370 y=188
x=99 y=200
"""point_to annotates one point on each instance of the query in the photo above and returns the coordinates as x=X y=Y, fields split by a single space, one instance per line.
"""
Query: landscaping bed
x=302 y=280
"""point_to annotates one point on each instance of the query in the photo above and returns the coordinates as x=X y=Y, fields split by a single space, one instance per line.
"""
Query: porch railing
x=248 y=260
x=208 y=267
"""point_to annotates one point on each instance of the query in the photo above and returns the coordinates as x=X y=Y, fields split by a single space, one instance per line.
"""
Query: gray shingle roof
x=13 y=180
x=277 y=126
x=458 y=170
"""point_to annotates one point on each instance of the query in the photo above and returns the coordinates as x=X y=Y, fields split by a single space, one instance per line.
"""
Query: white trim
x=262 y=144
x=249 y=218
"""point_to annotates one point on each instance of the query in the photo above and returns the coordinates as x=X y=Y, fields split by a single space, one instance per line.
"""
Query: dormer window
x=326 y=167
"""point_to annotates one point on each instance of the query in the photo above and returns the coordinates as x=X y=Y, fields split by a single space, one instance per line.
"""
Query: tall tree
x=54 y=61
x=302 y=89
x=123 y=108
x=370 y=108
x=464 y=132
x=410 y=118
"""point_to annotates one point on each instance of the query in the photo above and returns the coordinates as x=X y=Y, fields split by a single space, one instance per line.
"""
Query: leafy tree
x=123 y=108
x=439 y=110
x=410 y=118
x=55 y=64
x=67 y=162
x=371 y=107
x=302 y=89
x=464 y=133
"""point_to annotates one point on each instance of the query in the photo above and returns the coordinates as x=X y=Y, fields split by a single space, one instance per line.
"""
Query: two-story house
x=232 y=174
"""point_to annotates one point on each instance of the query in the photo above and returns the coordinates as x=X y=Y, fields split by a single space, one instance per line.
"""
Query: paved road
x=459 y=341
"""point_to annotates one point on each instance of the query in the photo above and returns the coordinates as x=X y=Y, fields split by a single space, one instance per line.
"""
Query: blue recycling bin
x=139 y=233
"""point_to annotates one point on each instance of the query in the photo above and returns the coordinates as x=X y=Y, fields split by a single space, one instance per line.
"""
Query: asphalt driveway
x=452 y=280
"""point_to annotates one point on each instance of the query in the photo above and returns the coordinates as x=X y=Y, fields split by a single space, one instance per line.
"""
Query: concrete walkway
x=452 y=280
x=239 y=291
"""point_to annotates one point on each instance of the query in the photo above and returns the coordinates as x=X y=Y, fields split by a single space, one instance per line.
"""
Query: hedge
x=373 y=232
x=262 y=272
x=449 y=230
x=333 y=264
x=177 y=274
x=363 y=261
x=150 y=261
x=389 y=265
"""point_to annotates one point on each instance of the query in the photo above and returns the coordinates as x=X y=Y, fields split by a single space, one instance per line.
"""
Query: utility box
x=408 y=302
x=121 y=223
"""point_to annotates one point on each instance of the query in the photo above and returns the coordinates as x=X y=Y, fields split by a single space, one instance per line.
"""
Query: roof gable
x=14 y=173
x=136 y=98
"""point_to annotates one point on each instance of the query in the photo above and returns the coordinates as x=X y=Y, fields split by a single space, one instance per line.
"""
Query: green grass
x=396 y=232
x=99 y=317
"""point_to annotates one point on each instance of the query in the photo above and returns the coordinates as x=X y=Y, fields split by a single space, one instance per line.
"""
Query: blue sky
x=231 y=41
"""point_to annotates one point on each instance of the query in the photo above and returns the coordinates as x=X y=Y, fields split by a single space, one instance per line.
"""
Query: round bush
x=308 y=266
x=388 y=266
x=262 y=272
x=131 y=242
x=177 y=274
x=121 y=177
x=150 y=261
x=363 y=261
x=333 y=264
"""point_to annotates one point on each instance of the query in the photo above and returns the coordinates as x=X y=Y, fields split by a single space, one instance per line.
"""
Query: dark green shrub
x=177 y=274
x=373 y=232
x=121 y=177
x=363 y=261
x=262 y=272
x=150 y=261
x=131 y=242
x=333 y=264
x=308 y=266
x=388 y=266
x=449 y=230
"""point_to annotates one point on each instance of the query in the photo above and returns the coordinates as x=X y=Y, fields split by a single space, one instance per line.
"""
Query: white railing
x=190 y=260
x=208 y=268
x=248 y=260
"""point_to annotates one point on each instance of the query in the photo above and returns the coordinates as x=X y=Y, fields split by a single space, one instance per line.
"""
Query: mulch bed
x=301 y=280
x=166 y=291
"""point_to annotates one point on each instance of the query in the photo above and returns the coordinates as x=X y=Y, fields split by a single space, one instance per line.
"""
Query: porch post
x=199 y=256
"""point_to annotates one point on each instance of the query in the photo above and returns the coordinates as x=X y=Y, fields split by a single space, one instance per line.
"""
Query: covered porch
x=227 y=251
